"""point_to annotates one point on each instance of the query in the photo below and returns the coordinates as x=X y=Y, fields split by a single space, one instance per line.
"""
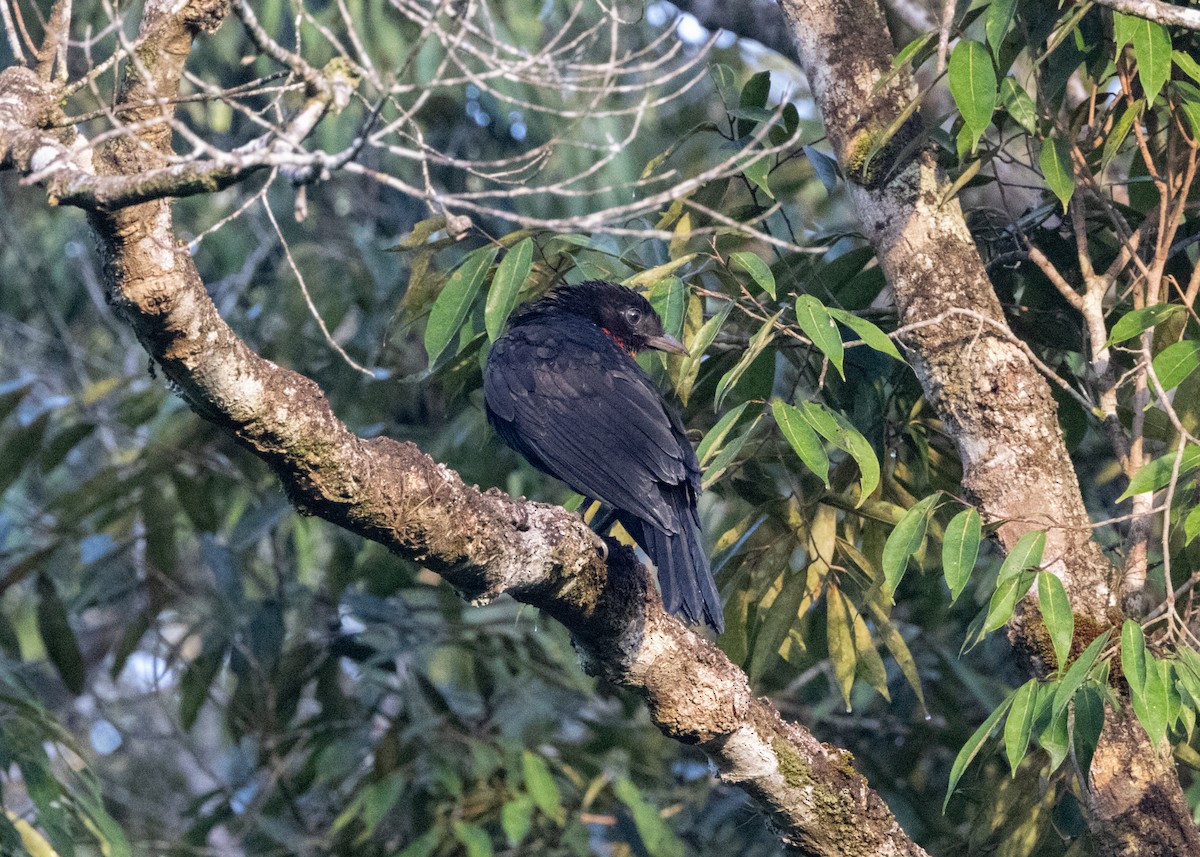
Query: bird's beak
x=666 y=342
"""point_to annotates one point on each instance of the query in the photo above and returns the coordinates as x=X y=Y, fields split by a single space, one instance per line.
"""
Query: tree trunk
x=984 y=387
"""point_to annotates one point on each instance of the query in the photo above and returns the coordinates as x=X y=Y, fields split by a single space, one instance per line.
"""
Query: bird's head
x=620 y=312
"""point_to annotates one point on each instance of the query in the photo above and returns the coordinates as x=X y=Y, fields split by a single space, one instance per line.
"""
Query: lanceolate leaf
x=1134 y=322
x=960 y=549
x=541 y=786
x=757 y=343
x=904 y=541
x=841 y=433
x=820 y=328
x=1176 y=362
x=840 y=636
x=689 y=368
x=506 y=285
x=1005 y=599
x=1078 y=672
x=971 y=749
x=1018 y=104
x=58 y=636
x=802 y=437
x=1157 y=473
x=866 y=331
x=999 y=19
x=1133 y=656
x=1019 y=726
x=1026 y=553
x=1152 y=47
x=1056 y=614
x=1087 y=725
x=756 y=268
x=1056 y=167
x=452 y=305
x=973 y=85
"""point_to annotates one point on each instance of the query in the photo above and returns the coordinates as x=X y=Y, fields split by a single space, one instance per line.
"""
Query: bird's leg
x=603 y=520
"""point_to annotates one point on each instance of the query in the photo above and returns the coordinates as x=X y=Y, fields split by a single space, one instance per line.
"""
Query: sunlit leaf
x=455 y=301
x=1056 y=614
x=999 y=18
x=656 y=835
x=1152 y=47
x=973 y=86
x=802 y=437
x=1056 y=167
x=1157 y=473
x=1026 y=553
x=757 y=343
x=1004 y=601
x=820 y=328
x=1135 y=321
x=1018 y=728
x=905 y=540
x=960 y=549
x=506 y=285
x=1078 y=672
x=1176 y=362
x=867 y=331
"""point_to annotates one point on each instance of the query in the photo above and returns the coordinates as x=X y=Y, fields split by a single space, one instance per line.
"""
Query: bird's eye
x=633 y=315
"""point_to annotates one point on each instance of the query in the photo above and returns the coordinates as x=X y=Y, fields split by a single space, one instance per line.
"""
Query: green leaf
x=652 y=276
x=1088 y=723
x=1152 y=47
x=656 y=835
x=1133 y=656
x=824 y=166
x=1157 y=473
x=802 y=437
x=820 y=328
x=1176 y=362
x=506 y=285
x=58 y=636
x=780 y=617
x=971 y=749
x=474 y=838
x=542 y=787
x=689 y=367
x=1056 y=168
x=866 y=331
x=1191 y=526
x=754 y=95
x=841 y=433
x=727 y=455
x=899 y=649
x=1026 y=553
x=1151 y=706
x=839 y=633
x=1078 y=672
x=1018 y=728
x=1133 y=323
x=960 y=549
x=1057 y=615
x=424 y=846
x=756 y=268
x=1018 y=104
x=1123 y=27
x=757 y=343
x=758 y=172
x=1005 y=599
x=999 y=18
x=1187 y=64
x=973 y=85
x=452 y=305
x=1120 y=130
x=1056 y=738
x=904 y=541
x=715 y=437
x=11 y=394
x=516 y=819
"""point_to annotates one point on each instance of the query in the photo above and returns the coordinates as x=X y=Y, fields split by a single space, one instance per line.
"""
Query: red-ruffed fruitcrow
x=562 y=388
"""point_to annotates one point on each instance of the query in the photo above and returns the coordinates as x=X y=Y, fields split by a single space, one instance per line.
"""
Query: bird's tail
x=683 y=571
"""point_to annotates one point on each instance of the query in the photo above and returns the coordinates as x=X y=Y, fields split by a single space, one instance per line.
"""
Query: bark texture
x=988 y=393
x=484 y=543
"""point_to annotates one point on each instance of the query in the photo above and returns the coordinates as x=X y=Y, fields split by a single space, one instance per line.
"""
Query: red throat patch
x=620 y=342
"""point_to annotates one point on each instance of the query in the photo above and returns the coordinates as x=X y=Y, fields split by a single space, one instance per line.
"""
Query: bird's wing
x=582 y=410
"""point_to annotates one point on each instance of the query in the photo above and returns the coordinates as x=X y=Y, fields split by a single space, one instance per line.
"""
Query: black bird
x=562 y=388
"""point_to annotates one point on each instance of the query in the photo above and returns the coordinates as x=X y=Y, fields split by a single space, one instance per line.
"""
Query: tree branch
x=1157 y=11
x=483 y=543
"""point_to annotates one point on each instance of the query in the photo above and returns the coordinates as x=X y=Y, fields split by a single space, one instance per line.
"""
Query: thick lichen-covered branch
x=484 y=543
